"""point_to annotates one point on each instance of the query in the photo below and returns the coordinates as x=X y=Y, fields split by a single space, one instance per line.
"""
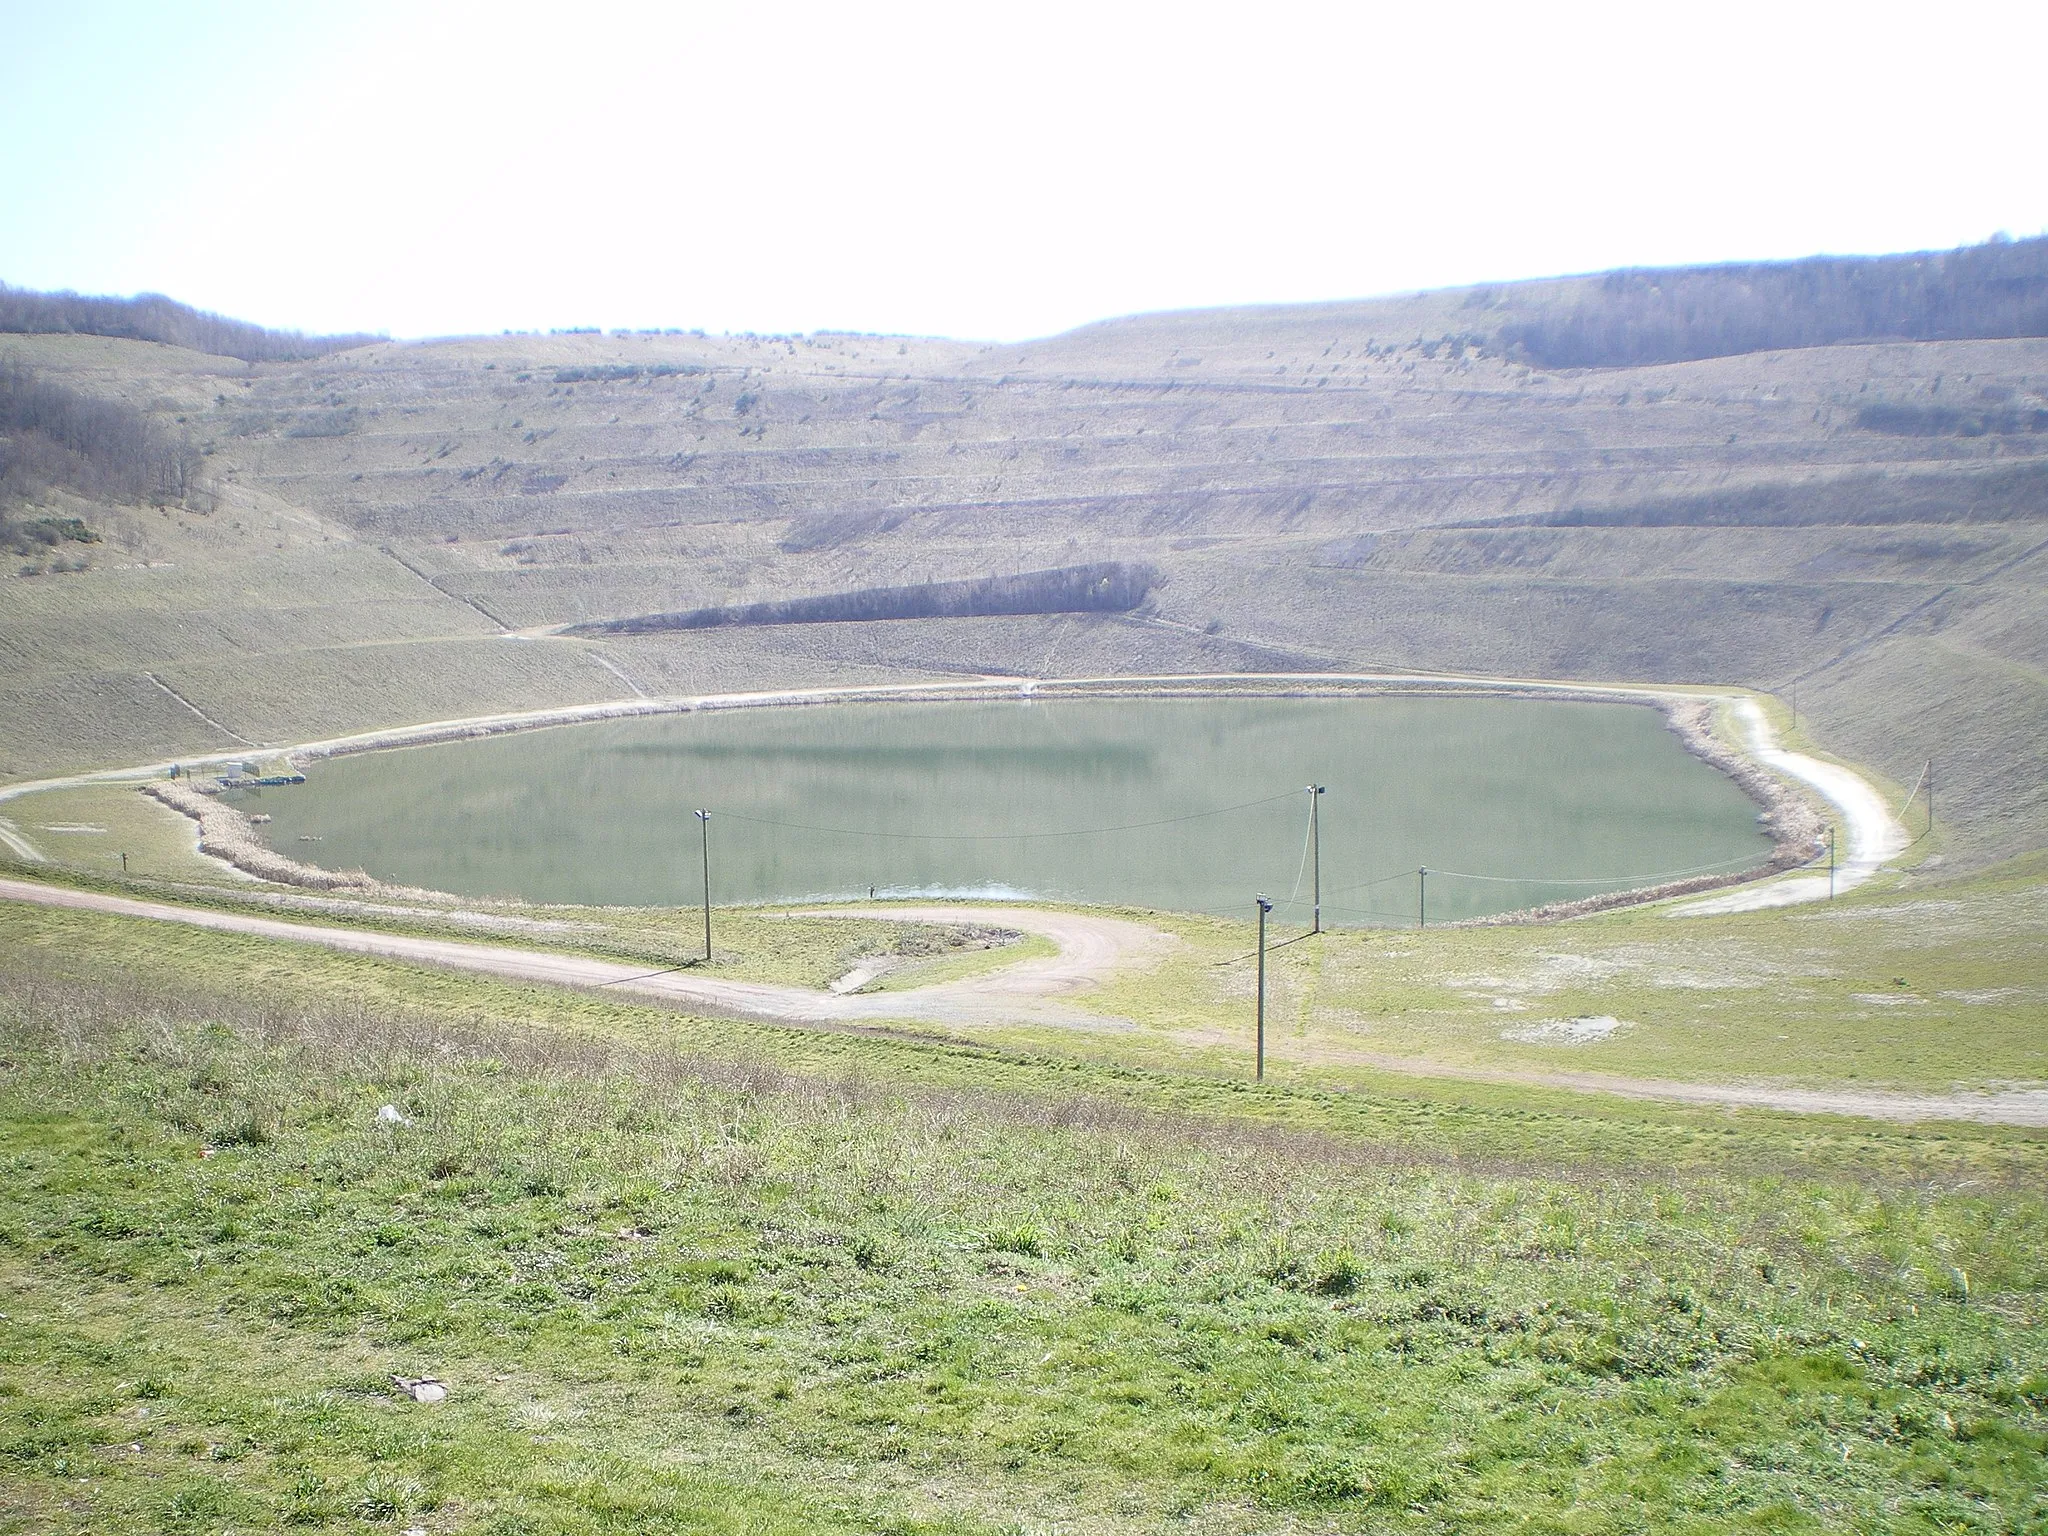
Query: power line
x=1004 y=837
x=1656 y=879
x=1364 y=885
x=1240 y=959
x=1307 y=832
x=1617 y=880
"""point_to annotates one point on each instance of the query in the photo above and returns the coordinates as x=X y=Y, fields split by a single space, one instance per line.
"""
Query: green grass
x=1460 y=1119
x=1915 y=985
x=748 y=943
x=160 y=844
x=1918 y=986
x=708 y=1276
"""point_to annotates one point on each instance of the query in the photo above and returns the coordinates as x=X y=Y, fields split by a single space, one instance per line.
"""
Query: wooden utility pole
x=1422 y=897
x=1265 y=906
x=1831 y=863
x=1315 y=836
x=704 y=837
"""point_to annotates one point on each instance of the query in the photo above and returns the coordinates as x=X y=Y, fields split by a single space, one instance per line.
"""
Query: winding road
x=1090 y=949
x=1874 y=834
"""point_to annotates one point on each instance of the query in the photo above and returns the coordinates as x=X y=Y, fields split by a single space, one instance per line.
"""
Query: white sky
x=977 y=170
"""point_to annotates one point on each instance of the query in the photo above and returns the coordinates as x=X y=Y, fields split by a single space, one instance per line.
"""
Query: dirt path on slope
x=1091 y=949
x=1875 y=836
x=1032 y=992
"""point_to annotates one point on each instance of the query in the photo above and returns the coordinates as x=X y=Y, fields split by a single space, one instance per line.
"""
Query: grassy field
x=84 y=831
x=713 y=1276
x=1923 y=986
x=88 y=829
x=1916 y=983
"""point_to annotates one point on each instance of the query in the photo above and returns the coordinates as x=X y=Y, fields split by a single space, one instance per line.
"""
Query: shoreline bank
x=225 y=835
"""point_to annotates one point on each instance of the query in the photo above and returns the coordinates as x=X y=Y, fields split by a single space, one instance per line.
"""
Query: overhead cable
x=1003 y=837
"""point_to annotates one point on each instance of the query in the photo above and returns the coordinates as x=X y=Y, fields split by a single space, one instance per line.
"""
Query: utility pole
x=1422 y=897
x=1930 y=794
x=1315 y=836
x=1831 y=863
x=1265 y=906
x=704 y=831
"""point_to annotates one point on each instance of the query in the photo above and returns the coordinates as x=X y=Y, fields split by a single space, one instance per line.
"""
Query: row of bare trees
x=152 y=317
x=1637 y=317
x=54 y=435
x=1109 y=586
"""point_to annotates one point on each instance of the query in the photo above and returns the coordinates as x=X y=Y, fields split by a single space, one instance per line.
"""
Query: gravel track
x=1031 y=992
x=1090 y=949
x=1874 y=834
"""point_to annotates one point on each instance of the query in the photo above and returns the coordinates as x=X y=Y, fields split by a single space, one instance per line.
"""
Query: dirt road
x=1090 y=949
x=1874 y=834
x=1032 y=992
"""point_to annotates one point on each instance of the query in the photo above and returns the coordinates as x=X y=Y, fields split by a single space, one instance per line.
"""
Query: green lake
x=1183 y=804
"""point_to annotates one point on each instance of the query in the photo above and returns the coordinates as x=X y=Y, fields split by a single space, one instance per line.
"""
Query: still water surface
x=1183 y=804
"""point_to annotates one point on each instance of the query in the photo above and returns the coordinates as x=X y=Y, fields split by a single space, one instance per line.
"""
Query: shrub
x=1338 y=1273
x=1023 y=1239
x=1629 y=318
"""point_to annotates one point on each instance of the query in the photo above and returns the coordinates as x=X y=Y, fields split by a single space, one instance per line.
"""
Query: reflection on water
x=1187 y=804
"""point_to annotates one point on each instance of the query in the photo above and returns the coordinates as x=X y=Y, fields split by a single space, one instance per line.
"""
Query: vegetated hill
x=152 y=317
x=1328 y=486
x=53 y=435
x=1999 y=289
x=1623 y=319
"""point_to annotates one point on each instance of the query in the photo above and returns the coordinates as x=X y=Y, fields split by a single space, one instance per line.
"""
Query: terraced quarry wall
x=1344 y=486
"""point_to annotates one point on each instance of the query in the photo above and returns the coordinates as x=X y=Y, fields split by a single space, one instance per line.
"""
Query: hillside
x=391 y=531
x=677 y=1274
x=153 y=317
x=351 y=1206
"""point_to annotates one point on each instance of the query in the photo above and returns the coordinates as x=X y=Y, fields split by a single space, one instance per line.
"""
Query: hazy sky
x=979 y=170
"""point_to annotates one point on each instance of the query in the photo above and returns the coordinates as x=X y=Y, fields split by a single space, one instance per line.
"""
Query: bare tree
x=152 y=317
